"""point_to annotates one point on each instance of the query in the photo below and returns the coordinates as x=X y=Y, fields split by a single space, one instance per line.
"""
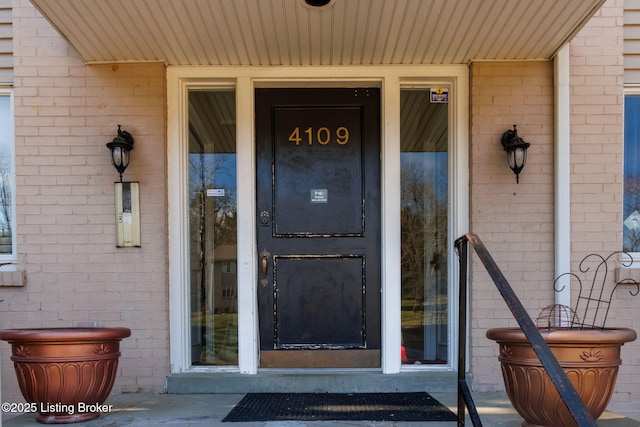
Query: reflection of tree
x=212 y=219
x=631 y=205
x=424 y=236
x=215 y=213
x=6 y=201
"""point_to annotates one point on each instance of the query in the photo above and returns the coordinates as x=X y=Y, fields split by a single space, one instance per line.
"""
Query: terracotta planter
x=66 y=373
x=589 y=357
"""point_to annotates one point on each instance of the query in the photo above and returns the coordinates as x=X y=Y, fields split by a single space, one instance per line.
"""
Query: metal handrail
x=563 y=385
x=464 y=395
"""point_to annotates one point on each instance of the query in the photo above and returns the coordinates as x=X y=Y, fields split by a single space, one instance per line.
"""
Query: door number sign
x=322 y=135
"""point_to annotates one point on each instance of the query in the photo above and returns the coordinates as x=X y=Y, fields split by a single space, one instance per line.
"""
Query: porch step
x=314 y=382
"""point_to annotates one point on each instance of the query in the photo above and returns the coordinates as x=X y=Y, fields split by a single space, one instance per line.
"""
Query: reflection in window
x=631 y=210
x=424 y=178
x=7 y=220
x=213 y=228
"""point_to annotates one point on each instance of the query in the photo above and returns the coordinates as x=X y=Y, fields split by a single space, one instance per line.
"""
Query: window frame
x=628 y=92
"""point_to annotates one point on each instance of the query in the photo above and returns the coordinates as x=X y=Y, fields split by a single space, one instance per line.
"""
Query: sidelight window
x=424 y=224
x=213 y=227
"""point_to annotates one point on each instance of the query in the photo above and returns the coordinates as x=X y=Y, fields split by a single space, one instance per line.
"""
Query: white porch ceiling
x=287 y=32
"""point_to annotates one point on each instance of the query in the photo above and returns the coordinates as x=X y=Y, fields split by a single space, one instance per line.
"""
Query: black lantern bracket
x=516 y=149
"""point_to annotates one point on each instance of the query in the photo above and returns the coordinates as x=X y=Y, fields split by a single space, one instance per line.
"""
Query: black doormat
x=339 y=407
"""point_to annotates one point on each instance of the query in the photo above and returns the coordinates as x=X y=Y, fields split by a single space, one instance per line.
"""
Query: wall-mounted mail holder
x=127 y=214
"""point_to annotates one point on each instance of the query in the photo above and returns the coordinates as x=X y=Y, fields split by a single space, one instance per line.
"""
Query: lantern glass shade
x=517 y=158
x=120 y=158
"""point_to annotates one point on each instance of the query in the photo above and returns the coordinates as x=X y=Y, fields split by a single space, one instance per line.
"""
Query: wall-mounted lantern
x=120 y=148
x=516 y=149
x=127 y=193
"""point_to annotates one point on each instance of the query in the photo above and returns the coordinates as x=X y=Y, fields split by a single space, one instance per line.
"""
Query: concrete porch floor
x=199 y=410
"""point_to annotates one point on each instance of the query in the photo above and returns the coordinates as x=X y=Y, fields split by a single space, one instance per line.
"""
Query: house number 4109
x=322 y=135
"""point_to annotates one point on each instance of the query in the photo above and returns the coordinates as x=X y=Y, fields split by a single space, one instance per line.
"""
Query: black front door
x=318 y=211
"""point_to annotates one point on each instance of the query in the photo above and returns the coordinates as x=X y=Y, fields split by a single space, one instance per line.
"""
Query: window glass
x=424 y=220
x=7 y=179
x=631 y=206
x=213 y=227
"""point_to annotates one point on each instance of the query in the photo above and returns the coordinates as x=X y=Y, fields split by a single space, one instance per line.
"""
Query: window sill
x=13 y=278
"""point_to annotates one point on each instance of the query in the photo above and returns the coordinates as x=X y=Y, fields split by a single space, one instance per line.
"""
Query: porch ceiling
x=287 y=32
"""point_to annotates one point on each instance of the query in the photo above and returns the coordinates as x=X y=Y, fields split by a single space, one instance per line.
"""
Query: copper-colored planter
x=65 y=372
x=590 y=359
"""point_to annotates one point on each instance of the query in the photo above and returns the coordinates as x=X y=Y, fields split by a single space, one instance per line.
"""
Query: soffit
x=287 y=32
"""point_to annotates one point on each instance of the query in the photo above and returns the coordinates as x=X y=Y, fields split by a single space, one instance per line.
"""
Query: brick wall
x=515 y=221
x=597 y=73
x=65 y=113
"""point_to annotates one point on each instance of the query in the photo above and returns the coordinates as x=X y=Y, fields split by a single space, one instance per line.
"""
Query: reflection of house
x=5 y=243
x=225 y=271
x=219 y=282
x=81 y=68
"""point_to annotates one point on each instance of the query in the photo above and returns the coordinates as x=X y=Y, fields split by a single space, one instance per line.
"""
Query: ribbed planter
x=65 y=372
x=590 y=358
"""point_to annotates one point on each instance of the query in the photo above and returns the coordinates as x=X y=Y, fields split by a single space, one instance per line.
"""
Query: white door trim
x=244 y=80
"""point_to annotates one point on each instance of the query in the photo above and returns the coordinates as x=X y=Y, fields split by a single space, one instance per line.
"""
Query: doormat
x=339 y=407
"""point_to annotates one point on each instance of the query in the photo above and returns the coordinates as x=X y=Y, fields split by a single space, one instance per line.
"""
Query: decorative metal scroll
x=594 y=299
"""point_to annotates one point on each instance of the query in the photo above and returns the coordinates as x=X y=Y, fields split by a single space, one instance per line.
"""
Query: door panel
x=304 y=173
x=297 y=296
x=318 y=201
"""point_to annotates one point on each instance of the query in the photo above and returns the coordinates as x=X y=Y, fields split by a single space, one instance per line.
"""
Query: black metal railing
x=563 y=385
x=464 y=395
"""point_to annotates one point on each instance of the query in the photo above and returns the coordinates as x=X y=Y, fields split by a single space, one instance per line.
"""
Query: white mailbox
x=127 y=214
